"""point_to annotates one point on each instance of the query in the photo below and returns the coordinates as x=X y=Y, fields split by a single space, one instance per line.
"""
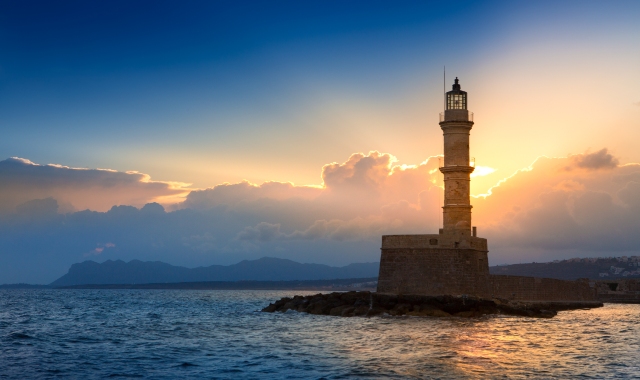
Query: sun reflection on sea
x=491 y=347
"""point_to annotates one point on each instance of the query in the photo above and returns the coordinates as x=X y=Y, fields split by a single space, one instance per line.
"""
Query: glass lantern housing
x=456 y=98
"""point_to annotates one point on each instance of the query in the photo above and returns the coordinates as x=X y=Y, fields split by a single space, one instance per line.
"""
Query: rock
x=436 y=313
x=361 y=311
x=339 y=310
x=349 y=304
x=271 y=308
x=375 y=311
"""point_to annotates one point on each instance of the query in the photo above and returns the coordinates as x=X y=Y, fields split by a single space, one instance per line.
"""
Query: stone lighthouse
x=456 y=122
x=453 y=261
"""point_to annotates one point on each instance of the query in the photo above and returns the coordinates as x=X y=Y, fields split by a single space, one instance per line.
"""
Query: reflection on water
x=220 y=334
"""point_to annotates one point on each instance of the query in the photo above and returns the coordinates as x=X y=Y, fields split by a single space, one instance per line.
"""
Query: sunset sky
x=303 y=130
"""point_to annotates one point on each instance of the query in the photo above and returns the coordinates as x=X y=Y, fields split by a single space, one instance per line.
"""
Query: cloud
x=362 y=173
x=230 y=195
x=581 y=205
x=598 y=160
x=338 y=222
x=630 y=195
x=22 y=181
x=586 y=204
x=355 y=229
x=362 y=196
x=38 y=208
x=99 y=249
x=262 y=232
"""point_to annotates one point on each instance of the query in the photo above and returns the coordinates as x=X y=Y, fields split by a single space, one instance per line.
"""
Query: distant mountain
x=264 y=269
x=23 y=286
x=572 y=269
x=323 y=285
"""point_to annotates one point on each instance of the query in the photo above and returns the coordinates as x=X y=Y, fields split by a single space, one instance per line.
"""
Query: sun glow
x=482 y=171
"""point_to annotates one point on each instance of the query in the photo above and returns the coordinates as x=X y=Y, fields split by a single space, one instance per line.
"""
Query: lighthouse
x=454 y=260
x=456 y=123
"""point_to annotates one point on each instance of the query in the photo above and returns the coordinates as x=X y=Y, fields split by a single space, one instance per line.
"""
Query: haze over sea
x=168 y=334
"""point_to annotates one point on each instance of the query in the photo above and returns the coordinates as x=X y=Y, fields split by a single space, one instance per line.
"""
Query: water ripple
x=218 y=334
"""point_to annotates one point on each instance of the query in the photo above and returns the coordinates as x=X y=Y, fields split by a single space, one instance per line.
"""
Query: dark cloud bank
x=582 y=205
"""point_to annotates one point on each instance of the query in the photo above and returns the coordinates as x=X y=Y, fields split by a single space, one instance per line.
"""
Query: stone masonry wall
x=522 y=288
x=449 y=239
x=433 y=271
x=618 y=291
x=426 y=265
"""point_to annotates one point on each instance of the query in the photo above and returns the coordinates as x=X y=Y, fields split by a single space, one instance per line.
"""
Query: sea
x=214 y=334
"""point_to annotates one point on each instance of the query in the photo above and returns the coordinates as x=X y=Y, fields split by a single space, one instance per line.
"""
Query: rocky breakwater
x=368 y=304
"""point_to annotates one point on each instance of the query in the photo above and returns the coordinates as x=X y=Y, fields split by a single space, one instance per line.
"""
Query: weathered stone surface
x=618 y=290
x=520 y=288
x=433 y=271
x=457 y=171
x=367 y=304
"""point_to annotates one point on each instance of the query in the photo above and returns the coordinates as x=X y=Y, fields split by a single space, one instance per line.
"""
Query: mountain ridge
x=273 y=269
x=594 y=268
x=263 y=269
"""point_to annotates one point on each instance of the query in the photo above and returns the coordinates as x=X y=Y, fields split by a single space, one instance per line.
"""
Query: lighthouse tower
x=453 y=261
x=456 y=122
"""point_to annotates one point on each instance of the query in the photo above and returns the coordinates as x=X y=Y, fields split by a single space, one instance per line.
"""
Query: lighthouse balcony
x=456 y=115
x=457 y=169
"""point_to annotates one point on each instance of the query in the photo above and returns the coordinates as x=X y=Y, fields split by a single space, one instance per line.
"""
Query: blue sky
x=125 y=85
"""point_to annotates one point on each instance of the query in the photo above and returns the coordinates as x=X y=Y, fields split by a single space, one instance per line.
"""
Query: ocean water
x=169 y=334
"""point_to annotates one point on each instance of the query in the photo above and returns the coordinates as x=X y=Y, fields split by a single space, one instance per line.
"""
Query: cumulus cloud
x=630 y=194
x=362 y=173
x=581 y=205
x=601 y=159
x=363 y=196
x=576 y=202
x=237 y=194
x=263 y=231
x=587 y=204
x=354 y=229
x=38 y=208
x=22 y=181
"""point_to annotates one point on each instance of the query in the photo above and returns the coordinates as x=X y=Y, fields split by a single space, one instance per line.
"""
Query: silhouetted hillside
x=324 y=285
x=264 y=269
x=593 y=268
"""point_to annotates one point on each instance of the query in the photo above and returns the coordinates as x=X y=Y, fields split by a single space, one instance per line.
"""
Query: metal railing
x=456 y=115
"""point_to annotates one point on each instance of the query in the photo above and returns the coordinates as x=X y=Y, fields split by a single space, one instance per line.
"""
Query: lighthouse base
x=455 y=264
x=407 y=266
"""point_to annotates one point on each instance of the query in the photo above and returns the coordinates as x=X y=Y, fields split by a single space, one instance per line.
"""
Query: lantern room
x=456 y=99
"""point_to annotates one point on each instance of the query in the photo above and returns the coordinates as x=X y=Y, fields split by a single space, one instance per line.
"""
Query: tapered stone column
x=457 y=182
